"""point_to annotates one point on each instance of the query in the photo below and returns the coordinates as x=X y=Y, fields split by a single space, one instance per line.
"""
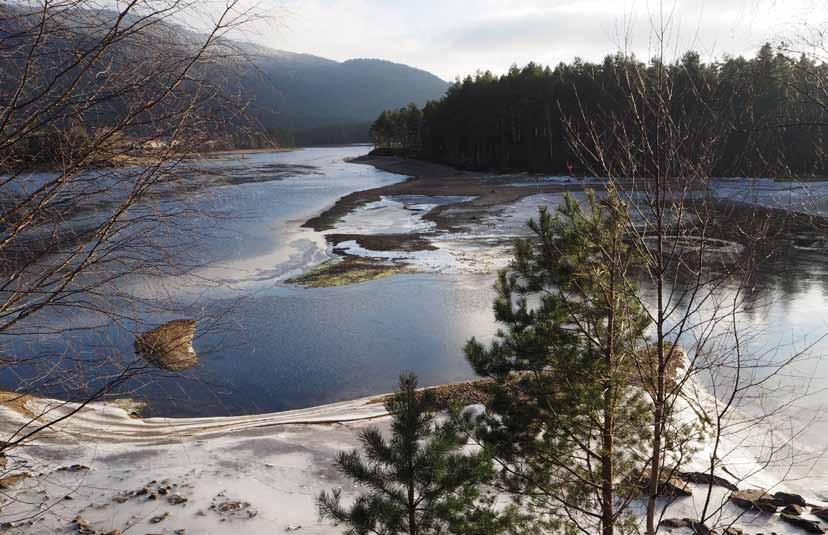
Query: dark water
x=267 y=346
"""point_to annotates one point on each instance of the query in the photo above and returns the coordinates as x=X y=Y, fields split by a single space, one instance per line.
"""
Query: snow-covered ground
x=249 y=474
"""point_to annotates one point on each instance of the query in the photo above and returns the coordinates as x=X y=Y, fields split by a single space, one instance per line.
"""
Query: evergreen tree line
x=767 y=113
x=399 y=130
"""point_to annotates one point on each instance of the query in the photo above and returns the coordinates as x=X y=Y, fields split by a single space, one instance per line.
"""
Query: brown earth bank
x=385 y=242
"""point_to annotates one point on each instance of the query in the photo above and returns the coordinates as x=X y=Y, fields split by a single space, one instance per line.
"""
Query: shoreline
x=446 y=394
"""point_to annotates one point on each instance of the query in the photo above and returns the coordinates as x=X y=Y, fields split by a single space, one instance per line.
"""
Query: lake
x=266 y=345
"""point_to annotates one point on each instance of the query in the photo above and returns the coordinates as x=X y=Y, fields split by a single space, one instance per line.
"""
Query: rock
x=293 y=528
x=820 y=512
x=706 y=479
x=670 y=523
x=159 y=518
x=755 y=499
x=673 y=488
x=230 y=506
x=678 y=523
x=811 y=526
x=176 y=499
x=181 y=531
x=790 y=499
x=114 y=532
x=733 y=531
x=120 y=498
x=80 y=522
x=792 y=510
x=73 y=468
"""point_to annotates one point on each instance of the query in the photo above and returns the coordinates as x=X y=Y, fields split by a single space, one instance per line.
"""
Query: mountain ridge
x=301 y=91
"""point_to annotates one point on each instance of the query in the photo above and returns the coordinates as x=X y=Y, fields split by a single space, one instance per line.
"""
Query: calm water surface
x=270 y=346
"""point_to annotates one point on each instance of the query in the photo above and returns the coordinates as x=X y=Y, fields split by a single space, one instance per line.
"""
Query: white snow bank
x=248 y=474
x=256 y=474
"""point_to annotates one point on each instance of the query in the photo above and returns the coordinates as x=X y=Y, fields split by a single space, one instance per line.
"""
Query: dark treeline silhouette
x=768 y=113
x=399 y=130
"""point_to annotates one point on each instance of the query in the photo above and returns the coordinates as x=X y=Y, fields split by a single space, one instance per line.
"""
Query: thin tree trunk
x=607 y=432
x=412 y=508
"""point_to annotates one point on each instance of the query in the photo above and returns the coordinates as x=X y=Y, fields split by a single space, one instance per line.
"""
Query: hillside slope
x=301 y=91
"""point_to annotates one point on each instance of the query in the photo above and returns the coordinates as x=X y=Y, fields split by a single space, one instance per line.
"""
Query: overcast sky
x=457 y=37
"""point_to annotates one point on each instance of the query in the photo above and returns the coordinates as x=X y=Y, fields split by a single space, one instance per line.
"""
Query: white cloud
x=457 y=37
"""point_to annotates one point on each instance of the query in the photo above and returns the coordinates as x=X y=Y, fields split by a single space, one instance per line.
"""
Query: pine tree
x=566 y=425
x=419 y=482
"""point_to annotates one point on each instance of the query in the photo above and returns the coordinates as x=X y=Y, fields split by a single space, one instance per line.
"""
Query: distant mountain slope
x=322 y=100
x=300 y=91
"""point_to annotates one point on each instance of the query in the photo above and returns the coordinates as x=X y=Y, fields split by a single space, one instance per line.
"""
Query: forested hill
x=327 y=101
x=761 y=116
x=307 y=98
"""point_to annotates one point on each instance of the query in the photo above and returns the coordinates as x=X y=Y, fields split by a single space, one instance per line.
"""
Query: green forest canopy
x=767 y=113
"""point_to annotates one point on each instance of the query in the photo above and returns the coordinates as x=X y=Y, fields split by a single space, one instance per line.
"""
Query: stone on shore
x=705 y=478
x=811 y=526
x=756 y=499
x=790 y=499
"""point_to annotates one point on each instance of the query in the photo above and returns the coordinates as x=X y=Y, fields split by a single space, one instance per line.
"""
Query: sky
x=454 y=38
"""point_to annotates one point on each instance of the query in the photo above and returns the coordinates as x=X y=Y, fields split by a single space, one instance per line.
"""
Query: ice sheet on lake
x=796 y=196
x=454 y=254
x=484 y=247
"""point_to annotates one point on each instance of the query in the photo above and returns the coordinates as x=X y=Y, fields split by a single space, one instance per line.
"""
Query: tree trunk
x=607 y=431
x=412 y=508
x=607 y=509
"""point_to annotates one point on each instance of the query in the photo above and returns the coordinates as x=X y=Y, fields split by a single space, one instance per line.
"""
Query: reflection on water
x=268 y=346
x=265 y=346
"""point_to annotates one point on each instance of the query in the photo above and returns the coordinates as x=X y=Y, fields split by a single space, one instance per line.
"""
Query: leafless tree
x=104 y=107
x=702 y=255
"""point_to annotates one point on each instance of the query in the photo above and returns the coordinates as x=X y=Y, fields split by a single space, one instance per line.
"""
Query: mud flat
x=415 y=225
x=432 y=180
x=347 y=270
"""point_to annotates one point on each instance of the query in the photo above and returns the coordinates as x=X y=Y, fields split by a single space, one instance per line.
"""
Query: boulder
x=673 y=488
x=811 y=526
x=176 y=499
x=790 y=499
x=792 y=509
x=705 y=478
x=820 y=512
x=756 y=499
